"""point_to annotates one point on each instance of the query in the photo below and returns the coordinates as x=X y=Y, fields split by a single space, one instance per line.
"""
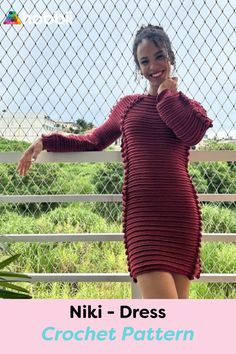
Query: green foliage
x=218 y=257
x=219 y=176
x=210 y=145
x=218 y=219
x=75 y=178
x=215 y=177
x=218 y=169
x=82 y=291
x=221 y=260
x=82 y=125
x=78 y=217
x=41 y=180
x=108 y=179
x=74 y=218
x=199 y=180
x=15 y=292
x=12 y=145
x=203 y=290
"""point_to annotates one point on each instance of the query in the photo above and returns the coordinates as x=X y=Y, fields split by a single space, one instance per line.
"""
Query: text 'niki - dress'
x=160 y=209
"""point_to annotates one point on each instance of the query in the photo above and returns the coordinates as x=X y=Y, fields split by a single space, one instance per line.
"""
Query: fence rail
x=100 y=237
x=112 y=156
x=57 y=198
x=110 y=277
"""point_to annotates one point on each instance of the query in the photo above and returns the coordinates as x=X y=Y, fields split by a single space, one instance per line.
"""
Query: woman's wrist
x=41 y=141
x=162 y=94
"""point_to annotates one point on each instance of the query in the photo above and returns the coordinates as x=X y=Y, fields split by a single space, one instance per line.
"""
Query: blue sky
x=80 y=71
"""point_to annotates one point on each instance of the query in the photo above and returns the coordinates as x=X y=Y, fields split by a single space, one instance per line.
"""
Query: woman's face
x=153 y=60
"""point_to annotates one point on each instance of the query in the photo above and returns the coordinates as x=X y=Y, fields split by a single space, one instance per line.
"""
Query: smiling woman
x=161 y=214
x=153 y=55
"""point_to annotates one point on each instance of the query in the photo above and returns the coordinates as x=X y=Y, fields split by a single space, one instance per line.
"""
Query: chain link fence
x=66 y=76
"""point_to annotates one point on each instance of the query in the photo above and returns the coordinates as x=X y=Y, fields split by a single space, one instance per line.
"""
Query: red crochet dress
x=161 y=213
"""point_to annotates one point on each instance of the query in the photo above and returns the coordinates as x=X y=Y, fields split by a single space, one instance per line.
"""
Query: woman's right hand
x=29 y=156
x=169 y=82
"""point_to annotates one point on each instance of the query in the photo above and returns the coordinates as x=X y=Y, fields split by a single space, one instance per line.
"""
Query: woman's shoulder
x=130 y=98
x=125 y=103
x=133 y=95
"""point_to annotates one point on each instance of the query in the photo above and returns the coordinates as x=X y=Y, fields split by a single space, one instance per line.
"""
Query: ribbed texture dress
x=161 y=214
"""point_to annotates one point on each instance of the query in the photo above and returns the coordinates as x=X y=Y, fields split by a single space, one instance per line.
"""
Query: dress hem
x=165 y=269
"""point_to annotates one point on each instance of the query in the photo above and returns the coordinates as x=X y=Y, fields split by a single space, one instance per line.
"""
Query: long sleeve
x=186 y=117
x=97 y=140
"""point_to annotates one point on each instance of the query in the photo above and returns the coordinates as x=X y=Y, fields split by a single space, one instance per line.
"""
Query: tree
x=82 y=126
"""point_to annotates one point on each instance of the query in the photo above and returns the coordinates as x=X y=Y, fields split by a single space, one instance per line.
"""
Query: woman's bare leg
x=182 y=284
x=157 y=285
